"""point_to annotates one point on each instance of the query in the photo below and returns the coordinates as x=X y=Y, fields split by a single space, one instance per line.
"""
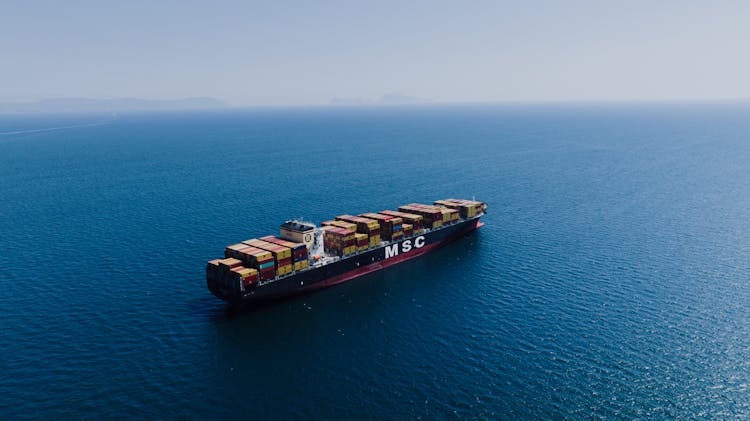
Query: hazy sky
x=307 y=52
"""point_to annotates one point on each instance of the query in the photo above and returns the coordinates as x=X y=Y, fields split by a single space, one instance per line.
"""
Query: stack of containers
x=390 y=226
x=299 y=251
x=432 y=218
x=341 y=224
x=253 y=257
x=234 y=250
x=216 y=273
x=448 y=215
x=362 y=241
x=229 y=263
x=413 y=219
x=408 y=229
x=338 y=241
x=212 y=270
x=466 y=208
x=364 y=226
x=478 y=206
x=282 y=256
x=463 y=210
x=247 y=276
x=230 y=273
x=452 y=212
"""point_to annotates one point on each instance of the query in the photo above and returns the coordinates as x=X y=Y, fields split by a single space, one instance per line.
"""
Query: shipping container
x=279 y=252
x=213 y=270
x=284 y=270
x=466 y=208
x=445 y=213
x=464 y=211
x=247 y=276
x=364 y=226
x=338 y=241
x=253 y=257
x=449 y=215
x=415 y=220
x=299 y=250
x=234 y=249
x=341 y=224
x=229 y=263
x=388 y=224
x=268 y=273
x=432 y=218
x=362 y=241
x=300 y=265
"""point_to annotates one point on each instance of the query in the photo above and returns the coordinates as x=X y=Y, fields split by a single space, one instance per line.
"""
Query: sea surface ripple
x=611 y=279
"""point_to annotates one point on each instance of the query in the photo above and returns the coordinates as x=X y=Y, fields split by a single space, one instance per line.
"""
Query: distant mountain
x=86 y=105
x=387 y=99
x=396 y=98
x=351 y=101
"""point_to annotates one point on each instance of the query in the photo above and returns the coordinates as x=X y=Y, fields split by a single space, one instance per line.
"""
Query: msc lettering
x=406 y=246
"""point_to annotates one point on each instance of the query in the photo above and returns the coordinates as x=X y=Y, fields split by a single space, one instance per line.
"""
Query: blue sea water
x=611 y=279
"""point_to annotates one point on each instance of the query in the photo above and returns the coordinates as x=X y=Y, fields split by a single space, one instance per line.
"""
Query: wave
x=51 y=129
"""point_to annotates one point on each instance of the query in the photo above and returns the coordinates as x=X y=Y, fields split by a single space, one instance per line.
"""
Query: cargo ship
x=305 y=257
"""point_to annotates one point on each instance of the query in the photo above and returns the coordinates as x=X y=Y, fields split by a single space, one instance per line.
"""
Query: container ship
x=304 y=257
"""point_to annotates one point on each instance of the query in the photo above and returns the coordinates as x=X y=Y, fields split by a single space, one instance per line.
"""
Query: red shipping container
x=267 y=274
x=253 y=280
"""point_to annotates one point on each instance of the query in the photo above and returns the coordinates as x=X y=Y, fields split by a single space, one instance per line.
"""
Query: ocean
x=612 y=277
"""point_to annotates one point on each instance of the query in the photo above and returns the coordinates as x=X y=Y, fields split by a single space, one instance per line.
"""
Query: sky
x=308 y=52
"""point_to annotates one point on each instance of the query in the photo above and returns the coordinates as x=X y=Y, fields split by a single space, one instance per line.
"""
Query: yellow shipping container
x=262 y=254
x=345 y=225
x=452 y=214
x=446 y=203
x=284 y=254
x=279 y=252
x=374 y=240
x=234 y=249
x=246 y=272
x=359 y=236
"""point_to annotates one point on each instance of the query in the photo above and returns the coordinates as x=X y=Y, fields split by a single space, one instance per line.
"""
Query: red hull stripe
x=386 y=263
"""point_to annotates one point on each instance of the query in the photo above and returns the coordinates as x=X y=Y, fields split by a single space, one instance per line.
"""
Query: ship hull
x=350 y=267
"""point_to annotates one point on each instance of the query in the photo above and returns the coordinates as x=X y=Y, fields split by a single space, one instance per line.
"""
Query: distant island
x=387 y=99
x=89 y=105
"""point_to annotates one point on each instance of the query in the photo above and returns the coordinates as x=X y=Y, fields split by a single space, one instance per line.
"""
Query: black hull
x=348 y=267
